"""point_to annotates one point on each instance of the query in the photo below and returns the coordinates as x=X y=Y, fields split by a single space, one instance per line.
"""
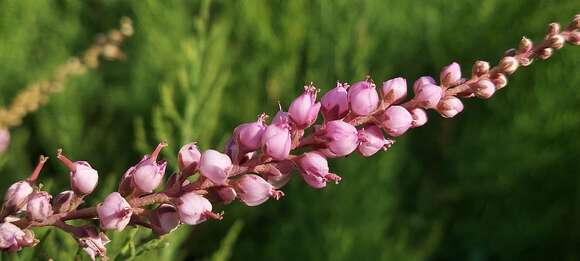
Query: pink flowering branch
x=260 y=158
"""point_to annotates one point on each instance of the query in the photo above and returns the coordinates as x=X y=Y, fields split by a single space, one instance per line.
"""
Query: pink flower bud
x=419 y=117
x=188 y=158
x=279 y=173
x=92 y=242
x=38 y=206
x=249 y=135
x=64 y=201
x=363 y=98
x=276 y=141
x=484 y=89
x=226 y=194
x=449 y=106
x=194 y=209
x=17 y=195
x=281 y=118
x=4 y=140
x=115 y=212
x=396 y=120
x=450 y=74
x=304 y=109
x=335 y=103
x=83 y=178
x=12 y=238
x=253 y=190
x=215 y=166
x=394 y=90
x=342 y=137
x=148 y=174
x=314 y=170
x=422 y=81
x=428 y=95
x=164 y=219
x=372 y=140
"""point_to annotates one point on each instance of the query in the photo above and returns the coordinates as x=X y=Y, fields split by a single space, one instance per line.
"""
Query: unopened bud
x=575 y=24
x=499 y=80
x=480 y=68
x=509 y=64
x=553 y=29
x=557 y=41
x=574 y=38
x=484 y=89
x=545 y=53
x=526 y=45
x=525 y=61
x=510 y=52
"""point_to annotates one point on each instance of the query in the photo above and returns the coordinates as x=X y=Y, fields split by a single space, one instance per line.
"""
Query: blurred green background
x=498 y=182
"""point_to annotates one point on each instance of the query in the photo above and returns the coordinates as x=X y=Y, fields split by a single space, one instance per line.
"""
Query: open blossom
x=372 y=140
x=253 y=190
x=276 y=141
x=396 y=120
x=12 y=238
x=188 y=158
x=394 y=90
x=304 y=110
x=249 y=135
x=363 y=98
x=83 y=178
x=342 y=137
x=335 y=103
x=38 y=207
x=17 y=195
x=115 y=212
x=215 y=166
x=193 y=208
x=164 y=219
x=92 y=242
x=4 y=140
x=314 y=170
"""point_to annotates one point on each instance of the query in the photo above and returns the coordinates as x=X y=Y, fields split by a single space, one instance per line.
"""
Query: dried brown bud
x=545 y=53
x=480 y=68
x=574 y=38
x=509 y=64
x=553 y=29
x=526 y=45
x=499 y=80
x=510 y=52
x=556 y=41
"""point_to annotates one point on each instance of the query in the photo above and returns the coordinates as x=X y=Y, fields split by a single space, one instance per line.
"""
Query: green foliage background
x=499 y=182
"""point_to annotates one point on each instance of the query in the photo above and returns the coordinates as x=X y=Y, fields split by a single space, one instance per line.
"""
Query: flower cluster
x=261 y=156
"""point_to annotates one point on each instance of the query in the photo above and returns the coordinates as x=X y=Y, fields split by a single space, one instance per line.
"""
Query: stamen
x=36 y=172
x=157 y=150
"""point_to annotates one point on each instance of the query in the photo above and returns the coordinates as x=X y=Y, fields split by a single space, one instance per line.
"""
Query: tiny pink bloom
x=276 y=141
x=422 y=81
x=335 y=103
x=226 y=194
x=4 y=140
x=83 y=178
x=17 y=195
x=193 y=208
x=63 y=202
x=253 y=190
x=164 y=219
x=279 y=173
x=396 y=120
x=115 y=212
x=188 y=158
x=363 y=98
x=148 y=174
x=484 y=89
x=304 y=109
x=394 y=90
x=427 y=96
x=450 y=74
x=314 y=170
x=341 y=137
x=450 y=106
x=419 y=117
x=372 y=140
x=92 y=242
x=249 y=135
x=12 y=238
x=281 y=118
x=38 y=206
x=215 y=166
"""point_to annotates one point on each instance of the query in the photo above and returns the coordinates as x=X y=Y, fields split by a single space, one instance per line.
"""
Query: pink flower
x=249 y=135
x=363 y=98
x=115 y=212
x=428 y=95
x=38 y=206
x=449 y=106
x=83 y=178
x=419 y=117
x=484 y=89
x=92 y=242
x=276 y=141
x=422 y=81
x=253 y=190
x=17 y=195
x=314 y=170
x=12 y=238
x=396 y=120
x=372 y=140
x=451 y=74
x=341 y=137
x=215 y=166
x=394 y=90
x=188 y=158
x=164 y=219
x=278 y=174
x=335 y=103
x=304 y=109
x=4 y=140
x=226 y=194
x=194 y=209
x=148 y=174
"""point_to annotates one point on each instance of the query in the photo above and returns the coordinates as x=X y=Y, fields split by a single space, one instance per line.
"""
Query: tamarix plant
x=260 y=157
